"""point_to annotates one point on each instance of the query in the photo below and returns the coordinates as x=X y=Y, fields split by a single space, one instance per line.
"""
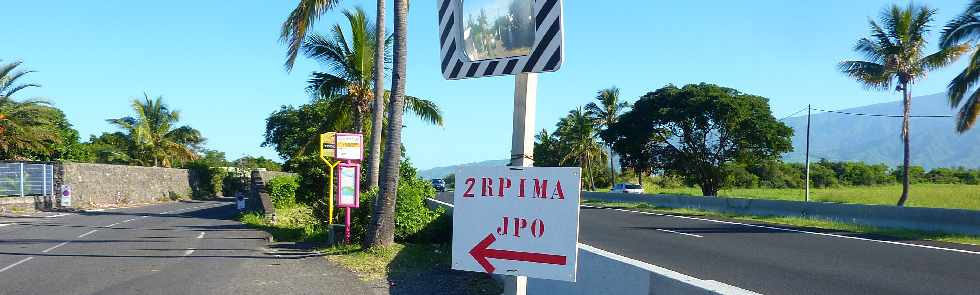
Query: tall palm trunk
x=382 y=228
x=358 y=120
x=374 y=162
x=907 y=103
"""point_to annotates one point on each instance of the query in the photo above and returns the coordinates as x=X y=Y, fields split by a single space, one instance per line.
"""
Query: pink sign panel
x=349 y=189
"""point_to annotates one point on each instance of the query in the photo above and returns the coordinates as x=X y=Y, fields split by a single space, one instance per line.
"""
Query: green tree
x=579 y=131
x=29 y=126
x=548 y=150
x=153 y=138
x=347 y=88
x=381 y=231
x=965 y=28
x=213 y=158
x=697 y=130
x=257 y=162
x=894 y=56
x=605 y=114
x=109 y=148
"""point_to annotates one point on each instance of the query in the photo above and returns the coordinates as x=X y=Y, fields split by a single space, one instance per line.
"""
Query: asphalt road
x=177 y=248
x=782 y=260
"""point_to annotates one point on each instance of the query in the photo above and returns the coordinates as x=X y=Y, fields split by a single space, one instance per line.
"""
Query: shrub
x=412 y=217
x=282 y=191
x=207 y=182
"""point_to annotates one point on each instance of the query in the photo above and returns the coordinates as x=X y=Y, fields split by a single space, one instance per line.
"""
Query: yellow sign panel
x=328 y=145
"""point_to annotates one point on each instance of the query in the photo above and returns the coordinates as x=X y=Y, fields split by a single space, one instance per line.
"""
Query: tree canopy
x=695 y=130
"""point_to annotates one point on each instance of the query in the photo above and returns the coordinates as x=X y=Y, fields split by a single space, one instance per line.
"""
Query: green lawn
x=957 y=196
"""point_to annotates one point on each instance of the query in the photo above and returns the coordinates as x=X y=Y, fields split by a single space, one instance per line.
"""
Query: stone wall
x=95 y=185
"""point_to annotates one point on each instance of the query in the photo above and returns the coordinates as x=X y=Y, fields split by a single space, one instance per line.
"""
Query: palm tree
x=964 y=29
x=374 y=162
x=579 y=131
x=894 y=56
x=381 y=231
x=606 y=115
x=300 y=20
x=27 y=124
x=153 y=138
x=348 y=85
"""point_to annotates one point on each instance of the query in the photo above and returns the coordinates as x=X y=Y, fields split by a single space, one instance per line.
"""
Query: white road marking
x=189 y=251
x=200 y=236
x=4 y=224
x=128 y=220
x=55 y=246
x=16 y=263
x=144 y=216
x=88 y=233
x=111 y=225
x=167 y=212
x=679 y=233
x=95 y=210
x=57 y=215
x=796 y=231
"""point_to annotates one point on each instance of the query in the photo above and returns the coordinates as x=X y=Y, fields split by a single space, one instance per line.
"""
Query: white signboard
x=519 y=221
x=349 y=147
x=65 y=196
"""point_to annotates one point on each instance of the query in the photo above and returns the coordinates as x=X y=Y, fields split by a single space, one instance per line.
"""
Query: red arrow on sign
x=481 y=252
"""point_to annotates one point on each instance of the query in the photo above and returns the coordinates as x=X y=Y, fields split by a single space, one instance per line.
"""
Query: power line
x=886 y=116
x=793 y=114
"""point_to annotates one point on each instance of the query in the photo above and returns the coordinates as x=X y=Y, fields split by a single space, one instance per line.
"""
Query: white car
x=627 y=188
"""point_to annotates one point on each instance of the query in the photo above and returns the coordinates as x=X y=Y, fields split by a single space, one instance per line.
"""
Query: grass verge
x=801 y=222
x=952 y=196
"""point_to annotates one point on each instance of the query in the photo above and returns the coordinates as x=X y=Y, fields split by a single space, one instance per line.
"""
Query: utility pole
x=806 y=197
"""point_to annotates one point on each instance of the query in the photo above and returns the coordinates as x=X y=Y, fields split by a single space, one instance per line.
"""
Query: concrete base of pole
x=515 y=285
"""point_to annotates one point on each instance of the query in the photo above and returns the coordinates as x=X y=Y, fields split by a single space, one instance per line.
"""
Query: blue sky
x=220 y=62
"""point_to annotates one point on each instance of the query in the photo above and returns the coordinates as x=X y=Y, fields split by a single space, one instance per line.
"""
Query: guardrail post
x=21 y=179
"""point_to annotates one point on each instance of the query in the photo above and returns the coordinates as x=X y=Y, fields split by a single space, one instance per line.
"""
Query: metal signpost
x=530 y=42
x=328 y=147
x=348 y=150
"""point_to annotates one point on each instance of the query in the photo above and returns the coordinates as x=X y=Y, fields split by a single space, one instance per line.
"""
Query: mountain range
x=863 y=136
x=852 y=137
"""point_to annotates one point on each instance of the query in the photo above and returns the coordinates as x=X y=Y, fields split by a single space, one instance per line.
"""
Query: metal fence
x=26 y=179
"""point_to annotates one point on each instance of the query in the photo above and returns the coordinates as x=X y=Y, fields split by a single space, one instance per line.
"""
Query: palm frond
x=964 y=28
x=944 y=57
x=299 y=21
x=426 y=110
x=326 y=85
x=871 y=75
x=965 y=81
x=966 y=118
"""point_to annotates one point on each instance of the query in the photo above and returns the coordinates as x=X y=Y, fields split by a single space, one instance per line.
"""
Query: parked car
x=439 y=184
x=627 y=188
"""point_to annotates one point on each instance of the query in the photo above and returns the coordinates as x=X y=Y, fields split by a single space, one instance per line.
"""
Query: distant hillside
x=439 y=172
x=877 y=140
x=840 y=137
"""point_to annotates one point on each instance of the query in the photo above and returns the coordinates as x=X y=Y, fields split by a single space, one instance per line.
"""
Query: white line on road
x=4 y=224
x=57 y=215
x=111 y=225
x=55 y=246
x=88 y=233
x=679 y=233
x=189 y=251
x=200 y=236
x=16 y=263
x=128 y=220
x=796 y=231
